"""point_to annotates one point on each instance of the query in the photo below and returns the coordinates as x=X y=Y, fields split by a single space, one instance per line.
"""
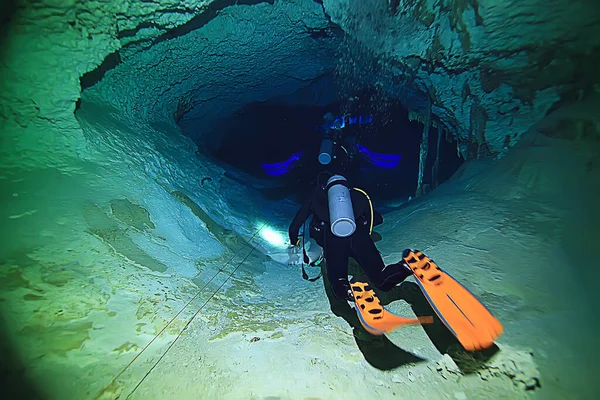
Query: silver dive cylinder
x=341 y=214
x=326 y=151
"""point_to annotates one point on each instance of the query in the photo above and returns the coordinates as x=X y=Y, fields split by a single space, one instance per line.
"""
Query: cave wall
x=249 y=53
x=109 y=220
x=55 y=168
x=51 y=49
x=488 y=69
x=46 y=48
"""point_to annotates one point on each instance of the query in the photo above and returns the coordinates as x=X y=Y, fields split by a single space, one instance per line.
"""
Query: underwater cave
x=264 y=135
x=154 y=153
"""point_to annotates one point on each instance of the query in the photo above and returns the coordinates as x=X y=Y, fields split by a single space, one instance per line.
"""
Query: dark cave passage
x=272 y=132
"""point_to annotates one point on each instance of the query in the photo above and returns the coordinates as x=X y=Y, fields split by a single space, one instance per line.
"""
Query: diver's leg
x=393 y=275
x=317 y=233
x=367 y=255
x=364 y=251
x=337 y=251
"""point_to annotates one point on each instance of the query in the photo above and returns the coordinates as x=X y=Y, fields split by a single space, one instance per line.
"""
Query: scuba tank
x=341 y=214
x=326 y=151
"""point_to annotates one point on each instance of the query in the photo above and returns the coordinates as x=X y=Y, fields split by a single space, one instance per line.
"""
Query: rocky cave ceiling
x=486 y=71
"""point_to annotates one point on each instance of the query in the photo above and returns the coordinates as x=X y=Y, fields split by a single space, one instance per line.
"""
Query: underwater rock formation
x=120 y=236
x=490 y=69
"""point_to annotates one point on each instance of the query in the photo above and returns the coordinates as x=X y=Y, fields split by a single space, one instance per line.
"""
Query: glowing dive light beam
x=282 y=168
x=273 y=237
x=378 y=159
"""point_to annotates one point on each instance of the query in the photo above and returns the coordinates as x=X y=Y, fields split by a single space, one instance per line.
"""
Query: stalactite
x=423 y=150
x=448 y=134
x=478 y=145
x=436 y=165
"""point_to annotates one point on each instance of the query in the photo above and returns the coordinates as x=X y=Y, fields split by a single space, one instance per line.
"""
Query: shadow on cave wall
x=13 y=375
x=8 y=8
x=13 y=379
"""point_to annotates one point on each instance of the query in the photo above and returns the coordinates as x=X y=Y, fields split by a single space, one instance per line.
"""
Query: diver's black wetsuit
x=359 y=245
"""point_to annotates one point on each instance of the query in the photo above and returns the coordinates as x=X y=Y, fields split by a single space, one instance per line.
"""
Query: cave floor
x=280 y=339
x=502 y=228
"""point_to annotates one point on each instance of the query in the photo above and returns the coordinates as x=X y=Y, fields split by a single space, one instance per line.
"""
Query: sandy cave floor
x=507 y=230
x=291 y=346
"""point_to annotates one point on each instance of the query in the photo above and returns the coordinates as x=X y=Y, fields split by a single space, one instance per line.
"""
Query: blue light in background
x=282 y=168
x=378 y=159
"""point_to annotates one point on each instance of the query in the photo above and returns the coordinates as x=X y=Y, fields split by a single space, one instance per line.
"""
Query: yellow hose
x=370 y=205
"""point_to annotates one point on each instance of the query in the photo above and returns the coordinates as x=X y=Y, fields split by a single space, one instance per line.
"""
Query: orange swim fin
x=462 y=313
x=373 y=316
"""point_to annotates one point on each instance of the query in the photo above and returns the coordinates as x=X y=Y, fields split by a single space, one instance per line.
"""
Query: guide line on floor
x=229 y=275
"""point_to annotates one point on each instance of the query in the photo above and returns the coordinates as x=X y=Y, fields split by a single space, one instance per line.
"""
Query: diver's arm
x=301 y=216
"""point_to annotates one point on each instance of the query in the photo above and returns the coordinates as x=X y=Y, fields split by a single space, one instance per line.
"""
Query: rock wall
x=488 y=69
x=100 y=211
x=243 y=54
x=108 y=224
x=46 y=48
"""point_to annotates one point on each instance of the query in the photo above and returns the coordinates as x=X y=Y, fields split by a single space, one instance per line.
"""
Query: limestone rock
x=517 y=365
x=491 y=69
x=447 y=367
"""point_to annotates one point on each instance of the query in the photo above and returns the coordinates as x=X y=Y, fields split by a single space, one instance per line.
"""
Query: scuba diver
x=342 y=224
x=343 y=130
x=340 y=143
x=337 y=151
x=343 y=219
